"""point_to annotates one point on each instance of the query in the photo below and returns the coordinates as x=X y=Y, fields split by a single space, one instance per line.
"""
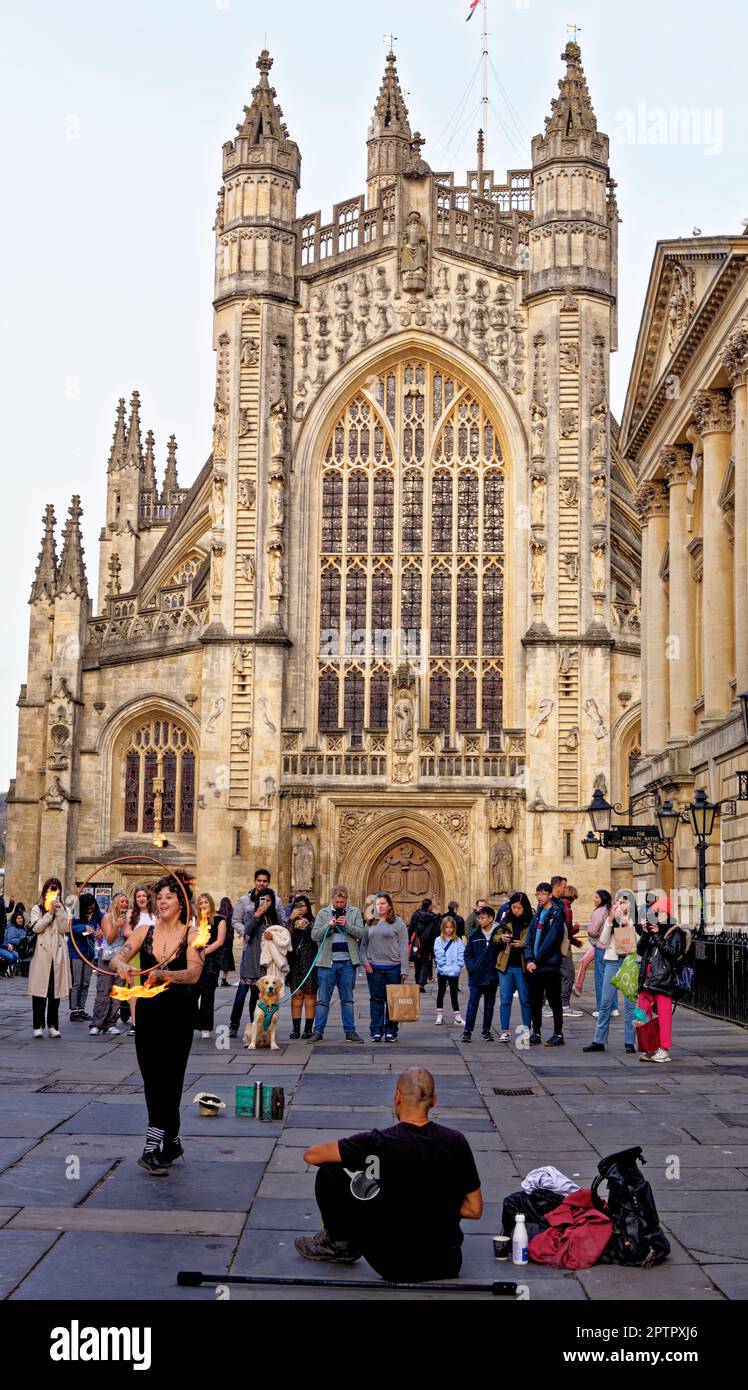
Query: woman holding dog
x=384 y=953
x=258 y=915
x=165 y=1021
x=301 y=983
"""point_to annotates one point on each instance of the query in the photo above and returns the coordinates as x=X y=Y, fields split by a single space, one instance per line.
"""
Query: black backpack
x=637 y=1239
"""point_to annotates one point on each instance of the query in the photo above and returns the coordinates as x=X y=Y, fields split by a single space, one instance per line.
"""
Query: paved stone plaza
x=245 y=1192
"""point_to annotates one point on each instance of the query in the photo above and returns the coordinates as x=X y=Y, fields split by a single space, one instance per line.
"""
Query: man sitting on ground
x=365 y=1188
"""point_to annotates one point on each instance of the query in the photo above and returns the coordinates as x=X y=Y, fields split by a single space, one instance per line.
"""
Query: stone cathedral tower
x=390 y=634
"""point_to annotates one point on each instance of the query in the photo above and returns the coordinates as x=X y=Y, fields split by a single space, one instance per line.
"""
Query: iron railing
x=720 y=986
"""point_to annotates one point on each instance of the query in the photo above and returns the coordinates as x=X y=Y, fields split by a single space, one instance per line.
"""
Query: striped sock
x=153 y=1138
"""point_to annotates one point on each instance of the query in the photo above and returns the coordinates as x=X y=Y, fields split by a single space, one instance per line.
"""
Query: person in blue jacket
x=543 y=963
x=481 y=954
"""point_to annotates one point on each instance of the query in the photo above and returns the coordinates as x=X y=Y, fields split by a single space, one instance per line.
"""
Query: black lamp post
x=668 y=820
x=701 y=813
x=599 y=812
x=590 y=845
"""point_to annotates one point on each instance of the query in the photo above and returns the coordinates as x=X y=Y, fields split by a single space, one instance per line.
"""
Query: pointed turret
x=571 y=110
x=149 y=467
x=72 y=573
x=119 y=439
x=171 y=481
x=255 y=241
x=389 y=139
x=45 y=578
x=134 y=448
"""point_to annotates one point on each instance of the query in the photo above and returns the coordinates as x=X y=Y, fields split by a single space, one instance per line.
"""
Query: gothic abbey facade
x=390 y=634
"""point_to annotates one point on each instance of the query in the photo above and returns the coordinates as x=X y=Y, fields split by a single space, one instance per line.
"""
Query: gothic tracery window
x=412 y=555
x=159 y=792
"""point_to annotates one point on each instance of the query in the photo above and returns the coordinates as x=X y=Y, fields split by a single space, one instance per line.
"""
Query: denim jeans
x=599 y=976
x=510 y=979
x=488 y=994
x=609 y=1001
x=242 y=990
x=381 y=976
x=343 y=974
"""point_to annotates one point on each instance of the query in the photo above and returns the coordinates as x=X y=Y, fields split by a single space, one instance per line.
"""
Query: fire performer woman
x=165 y=1021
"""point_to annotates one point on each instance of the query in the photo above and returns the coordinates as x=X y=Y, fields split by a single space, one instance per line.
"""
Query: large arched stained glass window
x=159 y=765
x=412 y=556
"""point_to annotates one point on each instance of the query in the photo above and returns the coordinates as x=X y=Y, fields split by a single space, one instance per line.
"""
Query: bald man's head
x=416 y=1089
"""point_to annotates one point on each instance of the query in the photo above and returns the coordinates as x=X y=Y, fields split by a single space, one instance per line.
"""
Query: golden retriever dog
x=264 y=1026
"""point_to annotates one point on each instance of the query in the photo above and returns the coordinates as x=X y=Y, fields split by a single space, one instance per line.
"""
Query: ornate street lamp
x=668 y=820
x=599 y=812
x=590 y=845
x=701 y=813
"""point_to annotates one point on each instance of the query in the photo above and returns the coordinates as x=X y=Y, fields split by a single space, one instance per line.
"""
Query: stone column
x=735 y=359
x=712 y=412
x=652 y=505
x=681 y=650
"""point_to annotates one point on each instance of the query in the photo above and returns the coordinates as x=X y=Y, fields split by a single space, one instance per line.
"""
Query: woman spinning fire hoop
x=165 y=1019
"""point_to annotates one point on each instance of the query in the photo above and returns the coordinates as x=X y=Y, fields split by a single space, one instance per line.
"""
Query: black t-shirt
x=425 y=1173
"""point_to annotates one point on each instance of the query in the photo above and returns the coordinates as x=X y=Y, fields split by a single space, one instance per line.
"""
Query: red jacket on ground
x=577 y=1234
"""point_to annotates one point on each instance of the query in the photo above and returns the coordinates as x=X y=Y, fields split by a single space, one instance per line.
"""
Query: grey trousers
x=567 y=979
x=80 y=974
x=105 y=1009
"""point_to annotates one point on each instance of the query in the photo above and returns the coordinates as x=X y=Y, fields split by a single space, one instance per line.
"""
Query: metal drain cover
x=501 y=1091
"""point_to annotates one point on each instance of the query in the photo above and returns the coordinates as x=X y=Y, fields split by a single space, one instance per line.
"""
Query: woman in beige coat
x=49 y=972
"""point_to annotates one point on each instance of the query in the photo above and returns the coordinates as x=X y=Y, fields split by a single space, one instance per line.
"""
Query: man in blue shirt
x=543 y=960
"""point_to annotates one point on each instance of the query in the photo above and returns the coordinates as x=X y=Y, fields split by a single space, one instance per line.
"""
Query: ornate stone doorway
x=407 y=872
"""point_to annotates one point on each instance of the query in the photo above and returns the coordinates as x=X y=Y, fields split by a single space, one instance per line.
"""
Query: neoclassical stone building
x=390 y=635
x=684 y=432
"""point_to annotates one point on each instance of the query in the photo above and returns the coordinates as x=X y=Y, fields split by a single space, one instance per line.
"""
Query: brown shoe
x=320 y=1247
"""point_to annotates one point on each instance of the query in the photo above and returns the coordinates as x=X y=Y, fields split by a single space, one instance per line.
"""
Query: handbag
x=414 y=946
x=624 y=939
x=626 y=977
x=404 y=1003
x=648 y=1036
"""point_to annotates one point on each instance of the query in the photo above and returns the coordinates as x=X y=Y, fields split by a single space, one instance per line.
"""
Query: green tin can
x=244 y=1101
x=266 y=1103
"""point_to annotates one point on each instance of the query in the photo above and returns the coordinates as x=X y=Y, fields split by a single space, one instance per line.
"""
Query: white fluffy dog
x=264 y=1026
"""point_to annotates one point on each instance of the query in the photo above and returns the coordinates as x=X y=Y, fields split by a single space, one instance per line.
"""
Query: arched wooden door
x=409 y=875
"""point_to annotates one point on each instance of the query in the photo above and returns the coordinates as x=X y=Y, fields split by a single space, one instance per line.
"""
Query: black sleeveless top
x=177 y=1000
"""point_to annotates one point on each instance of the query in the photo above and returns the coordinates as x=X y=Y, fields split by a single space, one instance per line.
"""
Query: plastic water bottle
x=520 y=1242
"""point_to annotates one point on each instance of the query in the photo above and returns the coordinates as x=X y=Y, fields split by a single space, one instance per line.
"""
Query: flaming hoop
x=134 y=991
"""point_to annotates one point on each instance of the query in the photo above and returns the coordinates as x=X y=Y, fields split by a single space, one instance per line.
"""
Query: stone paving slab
x=97 y=1117
x=13 y=1149
x=683 y=1283
x=151 y=1262
x=218 y=1187
x=19 y=1252
x=731 y=1280
x=711 y=1237
x=44 y=1181
x=124 y=1221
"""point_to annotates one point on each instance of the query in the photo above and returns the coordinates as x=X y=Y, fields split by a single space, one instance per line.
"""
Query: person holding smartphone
x=49 y=972
x=254 y=913
x=339 y=928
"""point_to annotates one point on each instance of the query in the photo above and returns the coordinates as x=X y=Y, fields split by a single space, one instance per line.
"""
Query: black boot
x=308 y=1027
x=296 y=1028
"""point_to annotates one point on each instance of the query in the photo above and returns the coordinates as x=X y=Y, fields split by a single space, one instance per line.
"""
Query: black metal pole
x=701 y=867
x=193 y=1278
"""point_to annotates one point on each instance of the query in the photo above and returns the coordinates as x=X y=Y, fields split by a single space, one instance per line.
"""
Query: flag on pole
x=473 y=7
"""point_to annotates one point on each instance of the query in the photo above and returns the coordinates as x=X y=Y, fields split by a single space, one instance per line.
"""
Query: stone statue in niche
x=250 y=353
x=278 y=413
x=569 y=357
x=275 y=573
x=245 y=424
x=599 y=500
x=220 y=429
x=598 y=569
x=413 y=254
x=302 y=868
x=538 y=569
x=216 y=571
x=502 y=860
x=537 y=500
x=403 y=716
x=599 y=433
x=538 y=425
x=217 y=500
x=276 y=506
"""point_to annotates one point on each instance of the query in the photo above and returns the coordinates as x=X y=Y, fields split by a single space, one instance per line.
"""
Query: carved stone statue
x=216 y=571
x=537 y=577
x=598 y=569
x=302 y=868
x=403 y=716
x=250 y=352
x=542 y=715
x=502 y=860
x=599 y=500
x=217 y=501
x=247 y=493
x=537 y=501
x=569 y=356
x=538 y=418
x=220 y=429
x=593 y=713
x=275 y=574
x=599 y=433
x=413 y=253
x=276 y=506
x=278 y=414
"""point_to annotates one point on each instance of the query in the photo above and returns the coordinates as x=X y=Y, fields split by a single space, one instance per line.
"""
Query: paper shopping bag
x=404 y=1003
x=624 y=939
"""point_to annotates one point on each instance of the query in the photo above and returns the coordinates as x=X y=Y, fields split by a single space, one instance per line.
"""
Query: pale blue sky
x=106 y=245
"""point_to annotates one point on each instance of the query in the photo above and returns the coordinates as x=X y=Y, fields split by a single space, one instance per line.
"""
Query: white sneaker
x=505 y=1037
x=595 y=1013
x=616 y=1013
x=54 y=1032
x=438 y=1018
x=458 y=1021
x=93 y=1032
x=573 y=1013
x=38 y=1032
x=112 y=1032
x=205 y=1033
x=661 y=1055
x=576 y=991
